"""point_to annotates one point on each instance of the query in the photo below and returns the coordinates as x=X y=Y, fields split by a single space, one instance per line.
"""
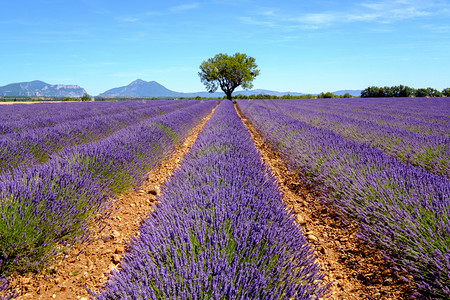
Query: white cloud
x=185 y=7
x=253 y=21
x=128 y=19
x=138 y=17
x=391 y=11
x=374 y=12
x=319 y=18
x=437 y=28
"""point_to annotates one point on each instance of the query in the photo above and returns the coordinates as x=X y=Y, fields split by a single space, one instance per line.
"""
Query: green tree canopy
x=327 y=95
x=401 y=91
x=85 y=97
x=428 y=92
x=228 y=72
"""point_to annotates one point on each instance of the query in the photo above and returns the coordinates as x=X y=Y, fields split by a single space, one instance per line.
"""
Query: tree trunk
x=228 y=95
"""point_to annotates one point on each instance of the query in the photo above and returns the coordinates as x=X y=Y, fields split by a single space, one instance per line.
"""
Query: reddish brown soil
x=69 y=278
x=356 y=270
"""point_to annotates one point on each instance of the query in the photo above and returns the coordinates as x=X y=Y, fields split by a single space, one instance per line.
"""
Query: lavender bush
x=51 y=204
x=220 y=230
x=41 y=208
x=401 y=208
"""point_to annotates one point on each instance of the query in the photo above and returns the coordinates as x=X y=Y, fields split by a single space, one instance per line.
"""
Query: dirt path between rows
x=89 y=269
x=355 y=269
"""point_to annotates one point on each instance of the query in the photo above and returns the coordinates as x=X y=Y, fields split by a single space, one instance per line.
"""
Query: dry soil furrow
x=89 y=269
x=356 y=270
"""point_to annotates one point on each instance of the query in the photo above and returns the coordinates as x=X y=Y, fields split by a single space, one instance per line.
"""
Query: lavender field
x=220 y=231
x=89 y=160
x=371 y=160
x=415 y=130
x=220 y=228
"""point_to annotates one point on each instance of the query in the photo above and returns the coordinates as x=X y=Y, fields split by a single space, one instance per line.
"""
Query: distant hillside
x=355 y=93
x=141 y=88
x=279 y=94
x=137 y=88
x=266 y=92
x=41 y=89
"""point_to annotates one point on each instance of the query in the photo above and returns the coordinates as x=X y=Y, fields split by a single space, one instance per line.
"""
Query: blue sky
x=303 y=46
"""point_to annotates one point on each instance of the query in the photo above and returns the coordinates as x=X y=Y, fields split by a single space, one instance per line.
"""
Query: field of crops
x=220 y=229
x=381 y=162
x=59 y=174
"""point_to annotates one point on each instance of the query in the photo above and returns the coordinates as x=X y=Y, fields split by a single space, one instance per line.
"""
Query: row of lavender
x=34 y=146
x=413 y=114
x=403 y=209
x=220 y=230
x=49 y=206
x=19 y=117
x=421 y=115
x=431 y=152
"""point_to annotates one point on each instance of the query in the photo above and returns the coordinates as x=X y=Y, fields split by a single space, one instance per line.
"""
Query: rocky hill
x=41 y=89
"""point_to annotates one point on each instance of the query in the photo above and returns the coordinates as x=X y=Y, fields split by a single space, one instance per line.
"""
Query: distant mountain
x=41 y=89
x=266 y=92
x=141 y=88
x=279 y=94
x=138 y=88
x=354 y=93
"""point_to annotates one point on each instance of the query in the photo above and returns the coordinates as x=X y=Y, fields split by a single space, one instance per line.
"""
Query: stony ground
x=355 y=270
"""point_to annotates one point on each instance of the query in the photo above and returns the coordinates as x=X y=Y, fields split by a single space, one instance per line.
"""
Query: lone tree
x=228 y=72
